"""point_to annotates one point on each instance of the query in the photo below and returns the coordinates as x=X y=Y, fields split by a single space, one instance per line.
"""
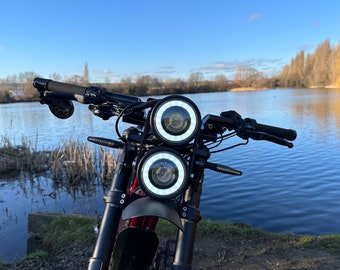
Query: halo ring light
x=162 y=173
x=175 y=120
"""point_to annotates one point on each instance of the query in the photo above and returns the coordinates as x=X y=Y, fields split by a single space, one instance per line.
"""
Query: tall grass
x=23 y=157
x=73 y=163
x=107 y=165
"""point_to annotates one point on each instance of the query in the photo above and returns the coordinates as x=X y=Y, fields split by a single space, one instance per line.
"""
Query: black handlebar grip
x=59 y=87
x=288 y=134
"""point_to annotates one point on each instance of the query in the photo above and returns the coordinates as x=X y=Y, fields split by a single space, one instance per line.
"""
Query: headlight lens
x=162 y=173
x=175 y=120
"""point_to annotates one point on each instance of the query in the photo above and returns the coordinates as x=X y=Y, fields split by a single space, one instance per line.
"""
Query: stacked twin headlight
x=175 y=120
x=163 y=173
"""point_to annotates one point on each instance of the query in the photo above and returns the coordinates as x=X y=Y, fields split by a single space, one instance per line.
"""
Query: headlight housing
x=175 y=120
x=162 y=173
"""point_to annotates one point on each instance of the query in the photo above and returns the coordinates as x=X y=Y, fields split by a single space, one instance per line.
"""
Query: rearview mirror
x=61 y=108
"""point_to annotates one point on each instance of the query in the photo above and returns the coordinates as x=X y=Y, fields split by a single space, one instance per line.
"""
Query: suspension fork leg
x=114 y=201
x=191 y=215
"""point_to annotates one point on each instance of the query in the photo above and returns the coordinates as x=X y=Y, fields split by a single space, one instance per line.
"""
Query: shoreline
x=218 y=246
x=241 y=89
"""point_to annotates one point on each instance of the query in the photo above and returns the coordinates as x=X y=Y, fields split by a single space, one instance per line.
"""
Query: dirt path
x=211 y=252
x=237 y=254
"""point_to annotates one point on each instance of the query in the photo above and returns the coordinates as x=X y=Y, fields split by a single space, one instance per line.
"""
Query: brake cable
x=119 y=116
x=220 y=140
x=230 y=147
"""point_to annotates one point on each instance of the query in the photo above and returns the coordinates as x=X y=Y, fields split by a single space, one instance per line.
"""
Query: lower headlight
x=162 y=173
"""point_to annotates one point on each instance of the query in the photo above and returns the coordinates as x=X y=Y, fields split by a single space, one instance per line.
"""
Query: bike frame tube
x=191 y=215
x=114 y=203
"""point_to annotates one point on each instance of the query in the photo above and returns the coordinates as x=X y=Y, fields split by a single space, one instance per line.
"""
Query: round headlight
x=162 y=173
x=175 y=120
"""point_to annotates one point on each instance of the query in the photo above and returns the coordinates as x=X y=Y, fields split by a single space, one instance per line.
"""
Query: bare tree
x=247 y=76
x=26 y=79
x=321 y=64
x=196 y=79
x=221 y=82
x=55 y=77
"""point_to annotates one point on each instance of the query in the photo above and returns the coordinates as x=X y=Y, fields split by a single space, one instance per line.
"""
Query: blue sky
x=167 y=39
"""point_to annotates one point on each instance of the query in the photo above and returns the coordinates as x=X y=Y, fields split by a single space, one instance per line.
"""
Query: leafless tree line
x=320 y=68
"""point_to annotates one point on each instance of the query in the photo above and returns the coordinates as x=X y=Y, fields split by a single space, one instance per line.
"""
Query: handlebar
x=60 y=87
x=87 y=95
x=213 y=124
x=59 y=90
x=283 y=133
x=246 y=128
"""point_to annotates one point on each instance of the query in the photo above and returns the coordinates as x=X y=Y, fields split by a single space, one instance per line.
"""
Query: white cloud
x=254 y=17
x=165 y=70
x=263 y=65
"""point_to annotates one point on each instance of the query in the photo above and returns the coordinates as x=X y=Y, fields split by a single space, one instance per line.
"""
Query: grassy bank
x=65 y=230
x=59 y=231
x=69 y=241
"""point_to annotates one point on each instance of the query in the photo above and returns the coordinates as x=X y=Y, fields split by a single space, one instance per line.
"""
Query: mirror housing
x=61 y=108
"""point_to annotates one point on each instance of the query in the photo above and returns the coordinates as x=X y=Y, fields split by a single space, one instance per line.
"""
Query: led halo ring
x=175 y=112
x=171 y=170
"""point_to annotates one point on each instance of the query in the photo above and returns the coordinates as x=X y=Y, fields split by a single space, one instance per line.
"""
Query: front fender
x=150 y=207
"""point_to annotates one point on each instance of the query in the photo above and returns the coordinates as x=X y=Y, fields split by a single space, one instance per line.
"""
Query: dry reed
x=21 y=157
x=73 y=164
x=108 y=166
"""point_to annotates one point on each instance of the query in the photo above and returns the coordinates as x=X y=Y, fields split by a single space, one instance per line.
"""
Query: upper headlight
x=175 y=120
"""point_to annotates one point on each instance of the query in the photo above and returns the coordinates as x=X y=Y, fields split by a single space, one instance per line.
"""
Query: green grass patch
x=35 y=254
x=330 y=243
x=220 y=229
x=64 y=230
x=213 y=228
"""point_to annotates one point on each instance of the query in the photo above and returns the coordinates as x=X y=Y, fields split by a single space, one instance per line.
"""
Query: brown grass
x=73 y=163
x=17 y=158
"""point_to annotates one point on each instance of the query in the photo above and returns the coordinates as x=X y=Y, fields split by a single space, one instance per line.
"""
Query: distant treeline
x=318 y=69
x=13 y=89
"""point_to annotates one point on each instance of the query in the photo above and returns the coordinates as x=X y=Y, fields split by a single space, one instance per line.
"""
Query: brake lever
x=95 y=95
x=104 y=111
x=256 y=135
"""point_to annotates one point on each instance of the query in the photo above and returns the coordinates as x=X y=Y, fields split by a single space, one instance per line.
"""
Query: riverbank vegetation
x=21 y=157
x=72 y=164
x=320 y=68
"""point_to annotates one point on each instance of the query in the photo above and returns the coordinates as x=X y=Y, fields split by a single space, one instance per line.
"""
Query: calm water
x=281 y=190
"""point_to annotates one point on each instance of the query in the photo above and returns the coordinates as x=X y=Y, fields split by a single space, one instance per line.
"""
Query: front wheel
x=135 y=249
x=165 y=256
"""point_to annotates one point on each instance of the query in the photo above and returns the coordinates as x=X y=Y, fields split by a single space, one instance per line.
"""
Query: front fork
x=191 y=215
x=114 y=201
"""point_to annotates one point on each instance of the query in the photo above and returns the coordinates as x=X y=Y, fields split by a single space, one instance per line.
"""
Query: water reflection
x=320 y=107
x=28 y=194
x=286 y=190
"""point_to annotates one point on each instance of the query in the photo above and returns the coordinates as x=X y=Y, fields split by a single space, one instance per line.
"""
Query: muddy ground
x=212 y=252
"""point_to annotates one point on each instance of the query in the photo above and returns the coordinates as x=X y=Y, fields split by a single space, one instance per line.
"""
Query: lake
x=281 y=190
